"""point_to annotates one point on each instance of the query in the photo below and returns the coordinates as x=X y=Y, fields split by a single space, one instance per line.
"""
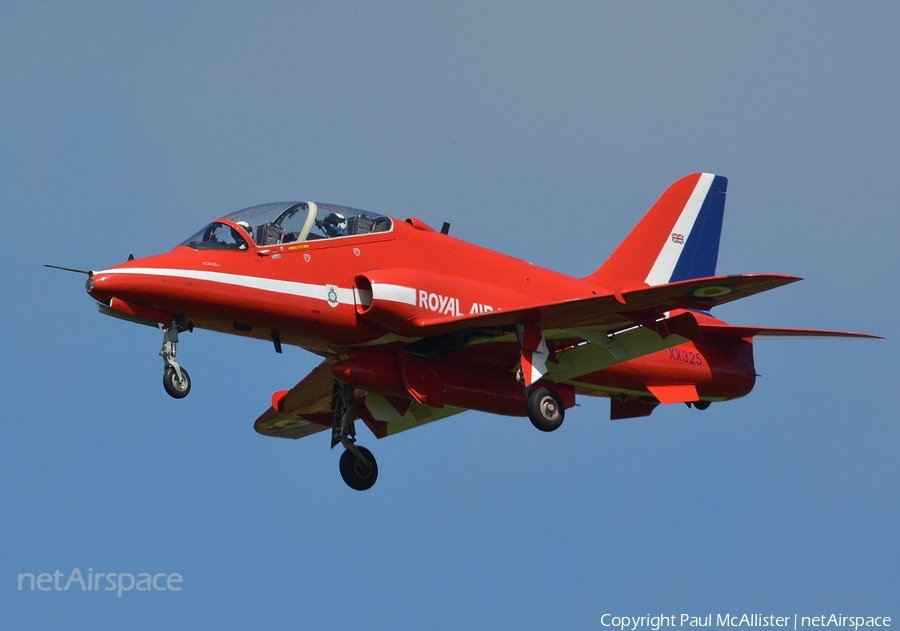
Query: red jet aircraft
x=414 y=325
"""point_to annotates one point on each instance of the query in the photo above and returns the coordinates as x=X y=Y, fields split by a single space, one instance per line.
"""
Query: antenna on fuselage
x=445 y=229
x=72 y=269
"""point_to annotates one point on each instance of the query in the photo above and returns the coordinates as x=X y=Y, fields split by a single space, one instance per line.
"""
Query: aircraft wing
x=386 y=415
x=305 y=409
x=623 y=307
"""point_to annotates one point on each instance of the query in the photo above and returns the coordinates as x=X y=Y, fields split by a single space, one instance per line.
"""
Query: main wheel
x=359 y=476
x=175 y=387
x=545 y=409
x=701 y=405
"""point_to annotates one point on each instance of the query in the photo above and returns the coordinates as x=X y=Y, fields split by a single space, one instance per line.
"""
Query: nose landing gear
x=176 y=385
x=176 y=380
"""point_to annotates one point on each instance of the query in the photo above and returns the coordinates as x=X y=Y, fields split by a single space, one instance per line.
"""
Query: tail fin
x=678 y=238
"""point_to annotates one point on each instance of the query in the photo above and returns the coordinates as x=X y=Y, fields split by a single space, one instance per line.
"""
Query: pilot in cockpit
x=334 y=225
x=246 y=227
x=238 y=240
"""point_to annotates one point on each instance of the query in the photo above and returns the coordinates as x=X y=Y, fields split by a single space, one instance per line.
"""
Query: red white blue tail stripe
x=677 y=239
x=692 y=247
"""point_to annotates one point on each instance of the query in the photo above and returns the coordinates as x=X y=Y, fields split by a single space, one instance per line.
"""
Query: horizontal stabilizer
x=731 y=331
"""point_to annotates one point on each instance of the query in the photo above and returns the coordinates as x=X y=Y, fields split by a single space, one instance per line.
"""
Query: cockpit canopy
x=287 y=222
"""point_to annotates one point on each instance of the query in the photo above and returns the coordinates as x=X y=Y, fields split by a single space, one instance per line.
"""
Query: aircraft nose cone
x=98 y=289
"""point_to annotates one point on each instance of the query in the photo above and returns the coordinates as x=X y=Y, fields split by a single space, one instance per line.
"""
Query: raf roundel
x=332 y=297
x=712 y=292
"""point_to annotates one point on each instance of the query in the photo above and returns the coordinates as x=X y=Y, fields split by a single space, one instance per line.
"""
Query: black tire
x=545 y=409
x=175 y=388
x=701 y=405
x=357 y=475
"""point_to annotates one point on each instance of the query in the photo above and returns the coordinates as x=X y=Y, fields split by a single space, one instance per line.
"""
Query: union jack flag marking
x=677 y=238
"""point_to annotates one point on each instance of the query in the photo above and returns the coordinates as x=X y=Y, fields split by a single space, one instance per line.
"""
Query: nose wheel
x=176 y=380
x=176 y=386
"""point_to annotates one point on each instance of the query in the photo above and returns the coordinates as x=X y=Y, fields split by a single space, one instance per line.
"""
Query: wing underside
x=306 y=409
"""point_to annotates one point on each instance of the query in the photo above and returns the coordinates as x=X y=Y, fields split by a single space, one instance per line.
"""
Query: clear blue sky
x=543 y=130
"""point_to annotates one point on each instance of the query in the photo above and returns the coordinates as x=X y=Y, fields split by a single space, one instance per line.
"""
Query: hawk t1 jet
x=414 y=325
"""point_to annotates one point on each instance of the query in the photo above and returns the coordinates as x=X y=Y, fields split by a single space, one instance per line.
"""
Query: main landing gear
x=545 y=409
x=358 y=467
x=176 y=380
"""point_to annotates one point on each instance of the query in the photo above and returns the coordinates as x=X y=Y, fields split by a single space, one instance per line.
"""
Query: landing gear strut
x=358 y=467
x=545 y=409
x=176 y=380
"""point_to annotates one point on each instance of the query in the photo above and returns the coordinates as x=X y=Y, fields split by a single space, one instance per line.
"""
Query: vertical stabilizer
x=678 y=238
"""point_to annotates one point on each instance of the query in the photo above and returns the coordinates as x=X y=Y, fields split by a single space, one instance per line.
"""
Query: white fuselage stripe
x=292 y=288
x=394 y=293
x=671 y=251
